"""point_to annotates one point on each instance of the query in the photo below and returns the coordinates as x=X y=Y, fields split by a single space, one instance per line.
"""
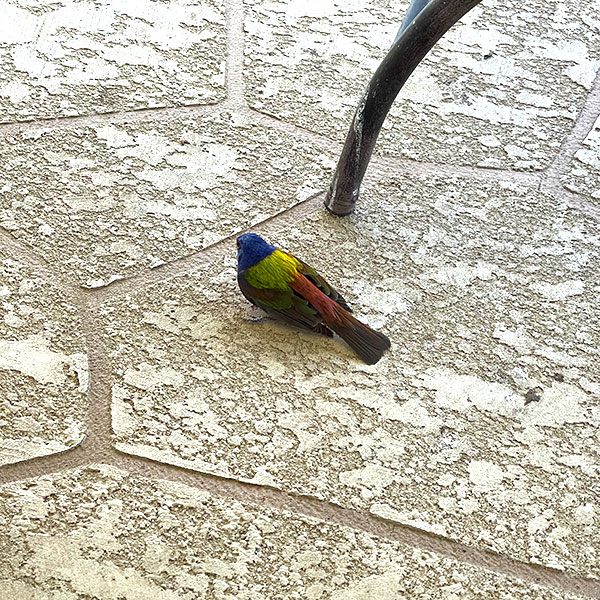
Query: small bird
x=289 y=290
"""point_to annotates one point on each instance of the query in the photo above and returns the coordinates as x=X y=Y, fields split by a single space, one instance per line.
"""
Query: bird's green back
x=275 y=271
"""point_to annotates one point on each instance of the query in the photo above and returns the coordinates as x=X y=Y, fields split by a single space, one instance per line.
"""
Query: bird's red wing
x=313 y=276
x=318 y=299
x=369 y=344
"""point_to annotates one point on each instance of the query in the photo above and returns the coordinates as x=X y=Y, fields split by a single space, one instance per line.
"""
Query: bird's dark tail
x=366 y=342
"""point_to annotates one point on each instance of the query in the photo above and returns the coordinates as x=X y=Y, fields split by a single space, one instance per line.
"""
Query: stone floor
x=160 y=440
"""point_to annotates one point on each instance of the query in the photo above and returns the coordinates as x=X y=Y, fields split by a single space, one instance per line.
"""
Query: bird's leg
x=255 y=315
x=255 y=319
x=323 y=330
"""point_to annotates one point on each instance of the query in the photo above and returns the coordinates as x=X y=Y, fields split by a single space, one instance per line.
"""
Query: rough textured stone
x=43 y=366
x=583 y=174
x=99 y=533
x=110 y=200
x=72 y=57
x=480 y=425
x=501 y=89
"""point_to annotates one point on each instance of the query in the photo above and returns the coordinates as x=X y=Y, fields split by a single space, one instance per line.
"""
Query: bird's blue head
x=251 y=250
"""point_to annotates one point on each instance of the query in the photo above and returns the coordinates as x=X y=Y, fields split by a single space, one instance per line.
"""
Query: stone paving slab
x=43 y=366
x=481 y=425
x=501 y=89
x=69 y=57
x=583 y=174
x=99 y=533
x=108 y=201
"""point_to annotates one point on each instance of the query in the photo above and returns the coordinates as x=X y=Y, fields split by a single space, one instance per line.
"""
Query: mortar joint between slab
x=85 y=455
x=114 y=117
x=234 y=70
x=98 y=415
x=191 y=262
x=297 y=503
x=584 y=123
x=51 y=275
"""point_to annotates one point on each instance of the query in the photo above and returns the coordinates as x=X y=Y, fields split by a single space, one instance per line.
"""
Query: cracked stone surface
x=110 y=200
x=488 y=404
x=69 y=57
x=501 y=89
x=583 y=175
x=43 y=366
x=99 y=533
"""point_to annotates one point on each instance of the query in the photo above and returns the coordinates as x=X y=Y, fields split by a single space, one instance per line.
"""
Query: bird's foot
x=323 y=330
x=254 y=320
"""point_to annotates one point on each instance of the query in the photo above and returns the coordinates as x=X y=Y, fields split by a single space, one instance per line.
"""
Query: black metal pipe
x=415 y=7
x=409 y=50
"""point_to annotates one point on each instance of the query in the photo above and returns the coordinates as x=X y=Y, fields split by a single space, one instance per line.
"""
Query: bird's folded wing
x=313 y=276
x=284 y=304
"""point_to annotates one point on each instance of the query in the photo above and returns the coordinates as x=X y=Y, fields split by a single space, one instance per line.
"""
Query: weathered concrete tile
x=43 y=366
x=583 y=174
x=501 y=89
x=100 y=533
x=110 y=200
x=79 y=57
x=481 y=425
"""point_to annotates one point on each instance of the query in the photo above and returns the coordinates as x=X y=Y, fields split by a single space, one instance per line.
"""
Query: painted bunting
x=290 y=290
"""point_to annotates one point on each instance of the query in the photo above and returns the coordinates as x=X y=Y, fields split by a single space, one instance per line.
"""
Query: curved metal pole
x=416 y=6
x=407 y=52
